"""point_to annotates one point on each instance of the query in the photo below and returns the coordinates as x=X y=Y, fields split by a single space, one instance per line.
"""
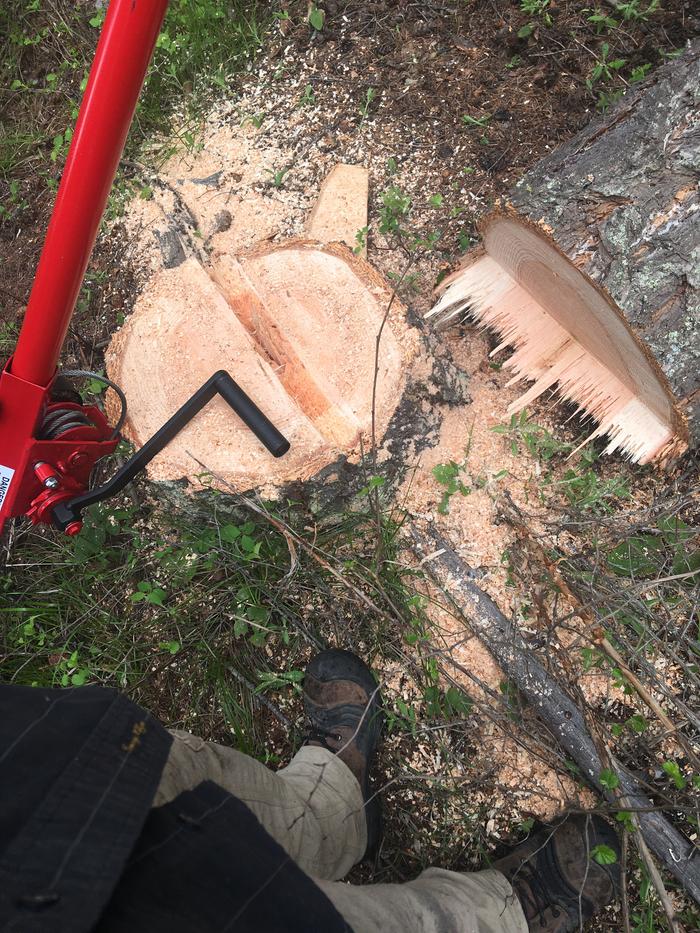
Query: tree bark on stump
x=591 y=269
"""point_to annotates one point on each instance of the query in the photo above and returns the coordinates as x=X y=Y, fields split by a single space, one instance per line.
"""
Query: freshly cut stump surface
x=295 y=325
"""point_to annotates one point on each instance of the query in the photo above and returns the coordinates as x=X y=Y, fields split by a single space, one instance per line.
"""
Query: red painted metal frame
x=123 y=53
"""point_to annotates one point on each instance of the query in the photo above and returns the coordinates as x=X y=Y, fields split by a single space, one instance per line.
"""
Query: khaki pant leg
x=313 y=808
x=438 y=901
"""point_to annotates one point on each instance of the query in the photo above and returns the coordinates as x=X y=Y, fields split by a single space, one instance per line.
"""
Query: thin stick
x=623 y=884
x=374 y=493
x=512 y=515
x=655 y=877
x=671 y=727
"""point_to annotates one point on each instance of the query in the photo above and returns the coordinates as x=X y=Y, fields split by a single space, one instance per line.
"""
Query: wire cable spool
x=59 y=420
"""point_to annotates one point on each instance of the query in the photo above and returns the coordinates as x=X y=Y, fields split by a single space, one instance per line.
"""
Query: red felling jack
x=31 y=423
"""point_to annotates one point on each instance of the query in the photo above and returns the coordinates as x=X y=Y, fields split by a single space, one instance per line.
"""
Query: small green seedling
x=605 y=67
x=172 y=647
x=360 y=240
x=317 y=18
x=307 y=99
x=146 y=592
x=475 y=121
x=277 y=176
x=673 y=771
x=608 y=779
x=370 y=95
x=273 y=681
x=537 y=8
x=447 y=475
x=603 y=855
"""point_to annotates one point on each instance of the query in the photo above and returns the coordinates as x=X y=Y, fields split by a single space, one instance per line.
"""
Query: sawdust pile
x=229 y=197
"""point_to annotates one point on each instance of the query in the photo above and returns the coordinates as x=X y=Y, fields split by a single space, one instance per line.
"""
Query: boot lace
x=316 y=734
x=533 y=893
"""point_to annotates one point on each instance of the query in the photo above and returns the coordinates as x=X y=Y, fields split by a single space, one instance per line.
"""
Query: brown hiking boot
x=555 y=878
x=344 y=711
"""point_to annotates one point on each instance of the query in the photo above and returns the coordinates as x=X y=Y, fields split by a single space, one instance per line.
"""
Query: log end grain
x=566 y=333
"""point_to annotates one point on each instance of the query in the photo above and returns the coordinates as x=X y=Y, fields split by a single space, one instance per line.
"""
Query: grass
x=45 y=56
x=209 y=620
x=134 y=593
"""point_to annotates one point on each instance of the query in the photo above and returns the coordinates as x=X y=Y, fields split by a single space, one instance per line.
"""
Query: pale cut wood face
x=566 y=333
x=295 y=326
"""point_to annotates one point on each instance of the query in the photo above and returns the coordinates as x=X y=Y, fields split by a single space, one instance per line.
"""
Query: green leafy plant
x=523 y=433
x=609 y=779
x=317 y=17
x=448 y=476
x=625 y=818
x=633 y=9
x=268 y=680
x=605 y=67
x=375 y=482
x=403 y=718
x=394 y=210
x=601 y=20
x=642 y=555
x=603 y=855
x=607 y=98
x=639 y=72
x=361 y=240
x=449 y=703
x=172 y=647
x=586 y=490
x=257 y=119
x=475 y=121
x=370 y=96
x=537 y=8
x=277 y=176
x=60 y=144
x=308 y=98
x=674 y=772
x=636 y=724
x=147 y=592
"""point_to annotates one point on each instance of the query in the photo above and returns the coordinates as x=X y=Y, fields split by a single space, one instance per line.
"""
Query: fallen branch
x=511 y=513
x=654 y=875
x=561 y=716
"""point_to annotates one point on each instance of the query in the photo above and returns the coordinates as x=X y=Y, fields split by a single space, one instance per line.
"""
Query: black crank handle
x=249 y=413
x=220 y=383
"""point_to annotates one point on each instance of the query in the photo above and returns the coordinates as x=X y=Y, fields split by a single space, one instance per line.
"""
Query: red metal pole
x=123 y=53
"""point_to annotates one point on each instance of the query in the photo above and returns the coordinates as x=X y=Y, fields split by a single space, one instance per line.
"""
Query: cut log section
x=591 y=271
x=340 y=212
x=295 y=326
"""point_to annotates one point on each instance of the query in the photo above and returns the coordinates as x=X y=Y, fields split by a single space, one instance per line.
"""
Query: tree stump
x=591 y=270
x=295 y=323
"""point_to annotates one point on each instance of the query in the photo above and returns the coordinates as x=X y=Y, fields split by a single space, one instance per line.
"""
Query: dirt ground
x=255 y=177
x=425 y=66
x=388 y=85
